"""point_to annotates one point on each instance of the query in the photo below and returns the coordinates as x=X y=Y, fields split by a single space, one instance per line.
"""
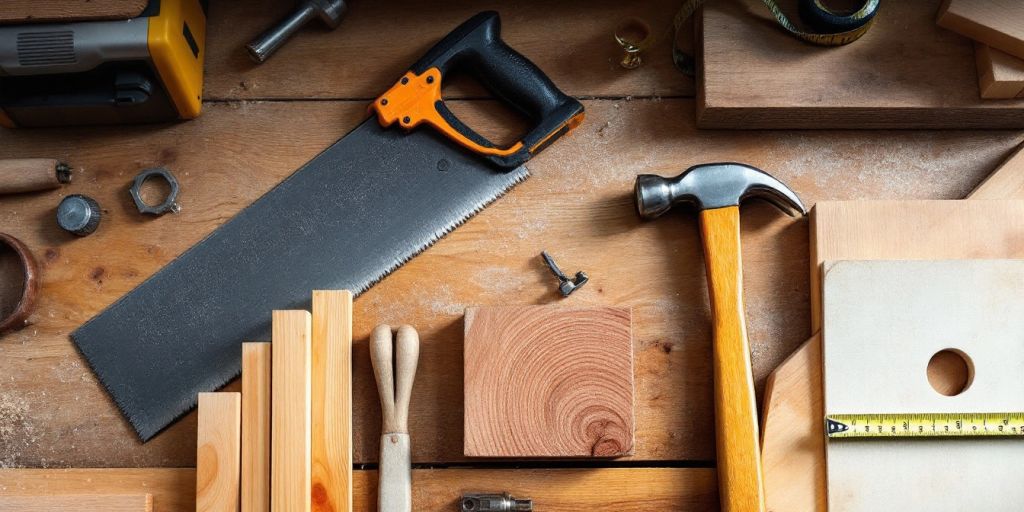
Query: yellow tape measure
x=994 y=424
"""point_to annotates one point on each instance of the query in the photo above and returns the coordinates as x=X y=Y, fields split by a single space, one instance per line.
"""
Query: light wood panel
x=256 y=390
x=172 y=489
x=332 y=401
x=1000 y=75
x=1007 y=182
x=34 y=11
x=65 y=502
x=755 y=75
x=548 y=381
x=997 y=23
x=218 y=458
x=290 y=459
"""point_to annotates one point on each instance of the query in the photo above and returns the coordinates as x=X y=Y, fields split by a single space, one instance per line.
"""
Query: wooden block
x=65 y=502
x=172 y=489
x=1000 y=76
x=883 y=321
x=64 y=11
x=290 y=459
x=1007 y=182
x=217 y=452
x=332 y=401
x=996 y=23
x=548 y=382
x=256 y=378
x=755 y=75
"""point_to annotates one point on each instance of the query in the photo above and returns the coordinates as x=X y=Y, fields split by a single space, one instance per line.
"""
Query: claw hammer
x=716 y=190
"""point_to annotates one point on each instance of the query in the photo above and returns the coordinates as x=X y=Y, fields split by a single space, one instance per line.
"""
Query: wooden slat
x=332 y=401
x=1007 y=182
x=65 y=502
x=34 y=11
x=172 y=489
x=1000 y=75
x=997 y=23
x=218 y=444
x=755 y=75
x=290 y=432
x=256 y=378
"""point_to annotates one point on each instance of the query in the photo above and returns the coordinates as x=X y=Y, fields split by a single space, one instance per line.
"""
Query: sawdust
x=500 y=280
x=16 y=428
x=69 y=370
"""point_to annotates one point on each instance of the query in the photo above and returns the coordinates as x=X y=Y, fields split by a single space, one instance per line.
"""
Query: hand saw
x=345 y=220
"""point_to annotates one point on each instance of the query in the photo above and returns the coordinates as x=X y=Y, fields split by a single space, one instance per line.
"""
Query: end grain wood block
x=997 y=23
x=217 y=452
x=1000 y=75
x=544 y=381
x=256 y=426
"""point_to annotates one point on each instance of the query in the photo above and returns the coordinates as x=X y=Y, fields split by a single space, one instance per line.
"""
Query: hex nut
x=169 y=204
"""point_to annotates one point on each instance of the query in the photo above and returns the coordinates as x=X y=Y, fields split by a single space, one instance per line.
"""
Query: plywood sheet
x=997 y=23
x=904 y=73
x=882 y=323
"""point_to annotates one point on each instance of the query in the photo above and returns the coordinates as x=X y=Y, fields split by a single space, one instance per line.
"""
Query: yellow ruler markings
x=994 y=424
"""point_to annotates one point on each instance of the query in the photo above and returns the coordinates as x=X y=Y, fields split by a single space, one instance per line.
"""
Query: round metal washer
x=169 y=204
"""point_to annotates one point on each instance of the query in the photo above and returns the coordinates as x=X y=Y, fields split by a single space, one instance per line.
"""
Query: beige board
x=997 y=23
x=883 y=322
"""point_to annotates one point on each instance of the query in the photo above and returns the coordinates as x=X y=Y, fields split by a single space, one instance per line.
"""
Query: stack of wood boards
x=998 y=28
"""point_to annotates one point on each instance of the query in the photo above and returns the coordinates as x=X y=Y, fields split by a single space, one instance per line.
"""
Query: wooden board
x=256 y=378
x=793 y=443
x=172 y=489
x=332 y=401
x=883 y=321
x=65 y=502
x=1000 y=75
x=34 y=11
x=218 y=458
x=547 y=381
x=997 y=23
x=755 y=75
x=290 y=459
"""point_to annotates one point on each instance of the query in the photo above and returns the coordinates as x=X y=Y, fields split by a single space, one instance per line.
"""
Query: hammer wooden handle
x=740 y=484
x=394 y=379
x=30 y=174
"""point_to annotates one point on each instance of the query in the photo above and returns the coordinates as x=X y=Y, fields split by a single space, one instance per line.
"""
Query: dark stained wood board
x=577 y=205
x=36 y=11
x=906 y=72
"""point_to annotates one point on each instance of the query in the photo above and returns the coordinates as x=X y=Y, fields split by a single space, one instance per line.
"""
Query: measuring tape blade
x=995 y=424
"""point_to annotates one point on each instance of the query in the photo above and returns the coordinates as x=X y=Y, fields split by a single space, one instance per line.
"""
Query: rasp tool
x=347 y=218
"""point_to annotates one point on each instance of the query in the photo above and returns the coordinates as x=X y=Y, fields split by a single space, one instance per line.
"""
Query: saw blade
x=345 y=220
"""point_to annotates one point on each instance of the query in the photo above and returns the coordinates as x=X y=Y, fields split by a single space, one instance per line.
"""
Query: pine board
x=218 y=455
x=290 y=445
x=172 y=489
x=65 y=502
x=63 y=11
x=997 y=23
x=1000 y=75
x=256 y=378
x=331 y=471
x=904 y=73
x=547 y=381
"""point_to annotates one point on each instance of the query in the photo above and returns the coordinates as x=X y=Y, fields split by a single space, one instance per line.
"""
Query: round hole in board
x=950 y=372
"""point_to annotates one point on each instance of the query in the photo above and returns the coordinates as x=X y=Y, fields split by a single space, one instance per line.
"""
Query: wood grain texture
x=997 y=23
x=755 y=75
x=332 y=401
x=290 y=436
x=218 y=445
x=34 y=11
x=256 y=390
x=577 y=205
x=793 y=443
x=740 y=483
x=65 y=502
x=548 y=382
x=172 y=489
x=1000 y=75
x=28 y=175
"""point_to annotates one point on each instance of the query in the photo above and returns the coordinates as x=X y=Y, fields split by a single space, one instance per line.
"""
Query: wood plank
x=34 y=11
x=217 y=452
x=290 y=459
x=172 y=489
x=332 y=401
x=256 y=389
x=65 y=502
x=577 y=205
x=546 y=381
x=997 y=23
x=757 y=76
x=573 y=44
x=1000 y=76
x=1007 y=182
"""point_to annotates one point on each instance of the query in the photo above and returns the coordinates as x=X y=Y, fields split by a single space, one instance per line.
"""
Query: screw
x=406 y=119
x=430 y=79
x=405 y=80
x=565 y=285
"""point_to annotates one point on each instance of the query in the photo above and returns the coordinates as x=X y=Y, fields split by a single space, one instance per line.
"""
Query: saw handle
x=476 y=48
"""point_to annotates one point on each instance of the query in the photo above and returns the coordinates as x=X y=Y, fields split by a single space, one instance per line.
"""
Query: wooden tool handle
x=736 y=431
x=31 y=174
x=406 y=360
x=381 y=356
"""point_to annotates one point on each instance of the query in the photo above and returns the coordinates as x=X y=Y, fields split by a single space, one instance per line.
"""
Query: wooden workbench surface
x=260 y=123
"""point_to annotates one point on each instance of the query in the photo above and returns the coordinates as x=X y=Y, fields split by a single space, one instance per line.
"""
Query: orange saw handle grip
x=476 y=48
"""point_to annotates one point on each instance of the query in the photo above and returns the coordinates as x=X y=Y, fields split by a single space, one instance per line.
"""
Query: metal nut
x=169 y=204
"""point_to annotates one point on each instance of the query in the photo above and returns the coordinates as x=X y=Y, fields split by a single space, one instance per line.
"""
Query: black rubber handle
x=476 y=48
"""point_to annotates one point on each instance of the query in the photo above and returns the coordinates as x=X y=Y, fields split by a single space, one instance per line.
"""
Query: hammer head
x=330 y=11
x=709 y=186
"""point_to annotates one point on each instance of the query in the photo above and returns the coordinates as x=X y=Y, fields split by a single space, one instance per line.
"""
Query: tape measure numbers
x=996 y=424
